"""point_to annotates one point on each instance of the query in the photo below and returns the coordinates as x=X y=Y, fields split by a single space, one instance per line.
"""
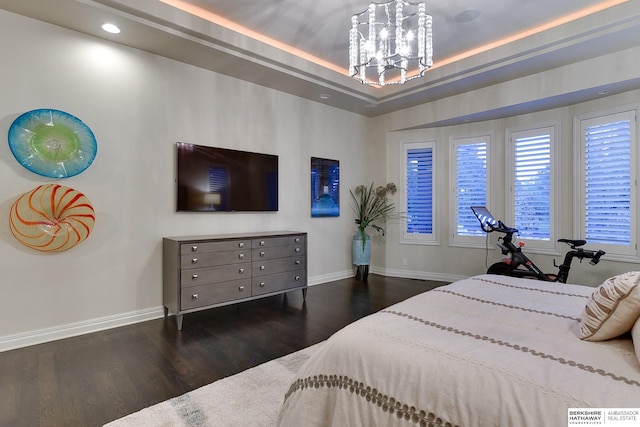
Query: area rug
x=250 y=398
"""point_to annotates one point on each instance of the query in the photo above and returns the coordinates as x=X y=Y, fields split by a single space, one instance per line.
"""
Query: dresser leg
x=179 y=321
x=304 y=294
x=166 y=311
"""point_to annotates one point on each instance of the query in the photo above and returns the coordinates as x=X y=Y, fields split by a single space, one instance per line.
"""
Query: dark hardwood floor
x=96 y=378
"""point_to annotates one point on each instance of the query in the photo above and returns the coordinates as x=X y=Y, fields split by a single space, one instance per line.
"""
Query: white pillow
x=635 y=335
x=613 y=308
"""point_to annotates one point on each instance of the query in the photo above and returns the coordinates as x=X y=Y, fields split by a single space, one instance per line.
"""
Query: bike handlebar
x=500 y=227
x=593 y=256
x=596 y=257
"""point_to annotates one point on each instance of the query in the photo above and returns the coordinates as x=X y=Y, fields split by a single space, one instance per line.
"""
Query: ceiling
x=324 y=30
x=300 y=46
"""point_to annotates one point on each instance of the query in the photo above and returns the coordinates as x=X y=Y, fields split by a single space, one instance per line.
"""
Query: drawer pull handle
x=261 y=242
x=297 y=277
x=194 y=260
x=241 y=256
x=194 y=296
x=241 y=288
x=194 y=277
x=262 y=284
x=261 y=267
x=241 y=271
x=194 y=248
x=241 y=245
x=261 y=253
x=297 y=240
x=297 y=249
x=297 y=262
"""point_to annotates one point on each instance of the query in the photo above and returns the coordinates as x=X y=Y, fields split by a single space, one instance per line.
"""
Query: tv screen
x=211 y=179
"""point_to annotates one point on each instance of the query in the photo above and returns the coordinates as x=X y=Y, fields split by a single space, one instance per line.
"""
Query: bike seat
x=573 y=243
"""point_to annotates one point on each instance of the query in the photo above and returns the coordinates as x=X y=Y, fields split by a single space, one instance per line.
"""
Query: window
x=469 y=179
x=607 y=187
x=417 y=193
x=532 y=184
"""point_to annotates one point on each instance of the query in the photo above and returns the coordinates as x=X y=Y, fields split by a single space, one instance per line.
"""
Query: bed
x=484 y=351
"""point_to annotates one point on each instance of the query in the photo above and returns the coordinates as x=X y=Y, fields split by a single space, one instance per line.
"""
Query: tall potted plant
x=372 y=208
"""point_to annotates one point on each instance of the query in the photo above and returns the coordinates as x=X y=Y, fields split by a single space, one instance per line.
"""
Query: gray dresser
x=202 y=272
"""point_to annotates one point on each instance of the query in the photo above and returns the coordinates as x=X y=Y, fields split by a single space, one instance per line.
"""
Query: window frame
x=628 y=253
x=411 y=238
x=454 y=142
x=553 y=129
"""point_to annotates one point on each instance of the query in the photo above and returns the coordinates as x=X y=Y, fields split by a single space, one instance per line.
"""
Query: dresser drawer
x=202 y=276
x=270 y=242
x=218 y=246
x=200 y=296
x=278 y=265
x=257 y=255
x=277 y=282
x=199 y=260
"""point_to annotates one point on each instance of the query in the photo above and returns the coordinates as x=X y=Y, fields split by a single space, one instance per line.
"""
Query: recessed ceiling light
x=111 y=28
x=467 y=15
x=325 y=96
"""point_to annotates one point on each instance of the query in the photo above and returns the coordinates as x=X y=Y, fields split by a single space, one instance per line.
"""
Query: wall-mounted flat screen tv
x=211 y=179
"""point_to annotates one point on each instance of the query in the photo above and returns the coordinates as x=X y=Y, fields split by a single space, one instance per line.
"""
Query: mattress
x=484 y=351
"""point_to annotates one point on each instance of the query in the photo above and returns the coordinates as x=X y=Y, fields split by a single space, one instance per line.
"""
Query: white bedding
x=484 y=351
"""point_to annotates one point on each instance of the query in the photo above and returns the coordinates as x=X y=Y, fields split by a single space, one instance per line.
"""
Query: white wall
x=139 y=105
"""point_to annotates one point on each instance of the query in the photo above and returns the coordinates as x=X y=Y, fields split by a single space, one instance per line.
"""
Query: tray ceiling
x=300 y=46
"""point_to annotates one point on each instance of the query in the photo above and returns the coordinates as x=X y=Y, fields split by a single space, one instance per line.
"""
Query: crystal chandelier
x=395 y=43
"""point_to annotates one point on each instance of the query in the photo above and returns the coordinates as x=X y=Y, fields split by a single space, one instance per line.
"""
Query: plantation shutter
x=608 y=183
x=419 y=183
x=532 y=186
x=471 y=186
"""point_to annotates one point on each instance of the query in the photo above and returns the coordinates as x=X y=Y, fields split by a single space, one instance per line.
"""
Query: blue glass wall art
x=52 y=143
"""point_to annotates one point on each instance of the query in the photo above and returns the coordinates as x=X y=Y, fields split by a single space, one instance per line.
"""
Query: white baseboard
x=317 y=280
x=11 y=342
x=405 y=274
x=420 y=275
x=40 y=336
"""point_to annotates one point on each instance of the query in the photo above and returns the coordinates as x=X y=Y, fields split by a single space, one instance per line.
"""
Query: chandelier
x=395 y=44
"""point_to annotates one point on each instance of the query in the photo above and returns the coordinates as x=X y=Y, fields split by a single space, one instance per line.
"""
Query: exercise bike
x=518 y=264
